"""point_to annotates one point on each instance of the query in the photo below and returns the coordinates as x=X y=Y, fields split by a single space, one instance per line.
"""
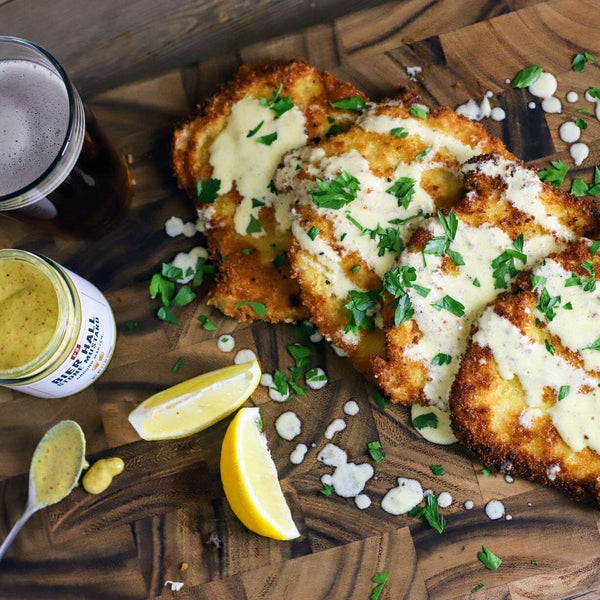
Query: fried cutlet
x=225 y=158
x=459 y=262
x=359 y=195
x=526 y=396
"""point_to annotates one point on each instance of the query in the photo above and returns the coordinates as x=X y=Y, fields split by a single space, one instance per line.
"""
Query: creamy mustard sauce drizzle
x=442 y=434
x=249 y=165
x=577 y=328
x=576 y=416
x=101 y=473
x=523 y=192
x=58 y=462
x=28 y=313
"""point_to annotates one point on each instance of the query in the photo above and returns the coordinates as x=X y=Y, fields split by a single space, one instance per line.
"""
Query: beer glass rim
x=71 y=98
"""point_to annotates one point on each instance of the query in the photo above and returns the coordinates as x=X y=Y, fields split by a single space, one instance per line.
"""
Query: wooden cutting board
x=168 y=508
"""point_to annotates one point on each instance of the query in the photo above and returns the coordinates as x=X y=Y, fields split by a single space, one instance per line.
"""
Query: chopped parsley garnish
x=253 y=131
x=336 y=193
x=594 y=346
x=268 y=139
x=426 y=420
x=581 y=124
x=379 y=399
x=247 y=251
x=579 y=187
x=404 y=190
x=589 y=284
x=547 y=305
x=360 y=303
x=563 y=392
x=285 y=386
x=437 y=469
x=300 y=354
x=441 y=359
x=160 y=286
x=165 y=314
x=537 y=281
x=580 y=60
x=568 y=306
x=271 y=187
x=278 y=104
x=353 y=103
x=258 y=307
x=253 y=225
x=380 y=579
x=489 y=559
x=327 y=489
x=183 y=297
x=399 y=132
x=377 y=454
x=451 y=305
x=171 y=272
x=202 y=269
x=355 y=269
x=594 y=92
x=477 y=588
x=573 y=280
x=279 y=260
x=177 y=364
x=555 y=174
x=535 y=563
x=418 y=111
x=408 y=219
x=486 y=472
x=549 y=347
x=423 y=153
x=206 y=323
x=304 y=330
x=131 y=325
x=314 y=375
x=476 y=282
x=430 y=512
x=313 y=232
x=421 y=290
x=395 y=282
x=594 y=246
x=440 y=245
x=256 y=203
x=525 y=77
x=389 y=239
x=504 y=265
x=583 y=111
x=208 y=190
x=333 y=130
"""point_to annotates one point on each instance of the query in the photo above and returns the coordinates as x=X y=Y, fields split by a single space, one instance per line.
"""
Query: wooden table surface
x=168 y=506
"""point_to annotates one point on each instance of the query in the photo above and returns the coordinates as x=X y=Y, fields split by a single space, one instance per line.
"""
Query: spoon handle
x=15 y=530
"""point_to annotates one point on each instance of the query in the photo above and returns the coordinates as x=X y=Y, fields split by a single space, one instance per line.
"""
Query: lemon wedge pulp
x=249 y=478
x=195 y=404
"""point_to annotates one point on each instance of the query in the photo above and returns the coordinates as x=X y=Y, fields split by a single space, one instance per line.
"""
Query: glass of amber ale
x=57 y=168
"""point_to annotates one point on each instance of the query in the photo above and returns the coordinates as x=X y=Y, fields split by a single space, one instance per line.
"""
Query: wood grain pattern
x=168 y=508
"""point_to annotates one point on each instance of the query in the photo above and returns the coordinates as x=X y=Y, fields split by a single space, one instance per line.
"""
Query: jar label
x=91 y=353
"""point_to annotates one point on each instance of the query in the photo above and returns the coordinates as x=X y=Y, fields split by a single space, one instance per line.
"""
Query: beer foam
x=34 y=118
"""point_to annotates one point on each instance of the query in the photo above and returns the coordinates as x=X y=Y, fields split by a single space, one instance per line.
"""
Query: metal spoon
x=55 y=469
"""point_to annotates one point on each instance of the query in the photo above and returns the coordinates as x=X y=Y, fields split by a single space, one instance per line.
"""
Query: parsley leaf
x=359 y=304
x=476 y=282
x=580 y=60
x=581 y=124
x=165 y=314
x=253 y=131
x=177 y=365
x=489 y=559
x=206 y=323
x=353 y=103
x=594 y=246
x=183 y=297
x=423 y=153
x=170 y=272
x=437 y=469
x=337 y=193
x=451 y=305
x=313 y=232
x=549 y=347
x=441 y=359
x=159 y=285
x=315 y=375
x=404 y=310
x=253 y=225
x=547 y=305
x=579 y=187
x=258 y=307
x=278 y=104
x=208 y=190
x=202 y=269
x=379 y=399
x=426 y=420
x=399 y=132
x=477 y=588
x=268 y=139
x=563 y=392
x=504 y=265
x=440 y=245
x=418 y=111
x=594 y=346
x=279 y=260
x=327 y=489
x=555 y=174
x=594 y=92
x=525 y=77
x=404 y=190
x=131 y=325
x=537 y=281
x=431 y=513
x=380 y=579
x=301 y=354
x=377 y=454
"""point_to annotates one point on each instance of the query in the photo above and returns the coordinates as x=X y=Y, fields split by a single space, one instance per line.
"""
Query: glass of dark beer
x=57 y=168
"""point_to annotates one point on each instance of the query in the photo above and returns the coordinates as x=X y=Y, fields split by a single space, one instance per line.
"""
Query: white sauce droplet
x=572 y=97
x=266 y=380
x=498 y=114
x=469 y=505
x=244 y=356
x=362 y=501
x=507 y=81
x=225 y=343
x=189 y=260
x=442 y=434
x=579 y=152
x=174 y=226
x=508 y=517
x=351 y=408
x=339 y=351
x=288 y=425
x=494 y=509
x=349 y=480
x=489 y=94
x=276 y=396
x=335 y=426
x=298 y=453
x=316 y=383
x=551 y=105
x=552 y=471
x=412 y=72
x=474 y=111
x=332 y=456
x=544 y=86
x=531 y=105
x=326 y=479
x=445 y=500
x=509 y=478
x=189 y=229
x=569 y=132
x=401 y=499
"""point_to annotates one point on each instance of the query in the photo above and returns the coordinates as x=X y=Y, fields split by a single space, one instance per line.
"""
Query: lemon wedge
x=195 y=404
x=250 y=480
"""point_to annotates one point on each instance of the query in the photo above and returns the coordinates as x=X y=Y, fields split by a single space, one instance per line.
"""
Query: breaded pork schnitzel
x=459 y=262
x=359 y=195
x=526 y=396
x=226 y=157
